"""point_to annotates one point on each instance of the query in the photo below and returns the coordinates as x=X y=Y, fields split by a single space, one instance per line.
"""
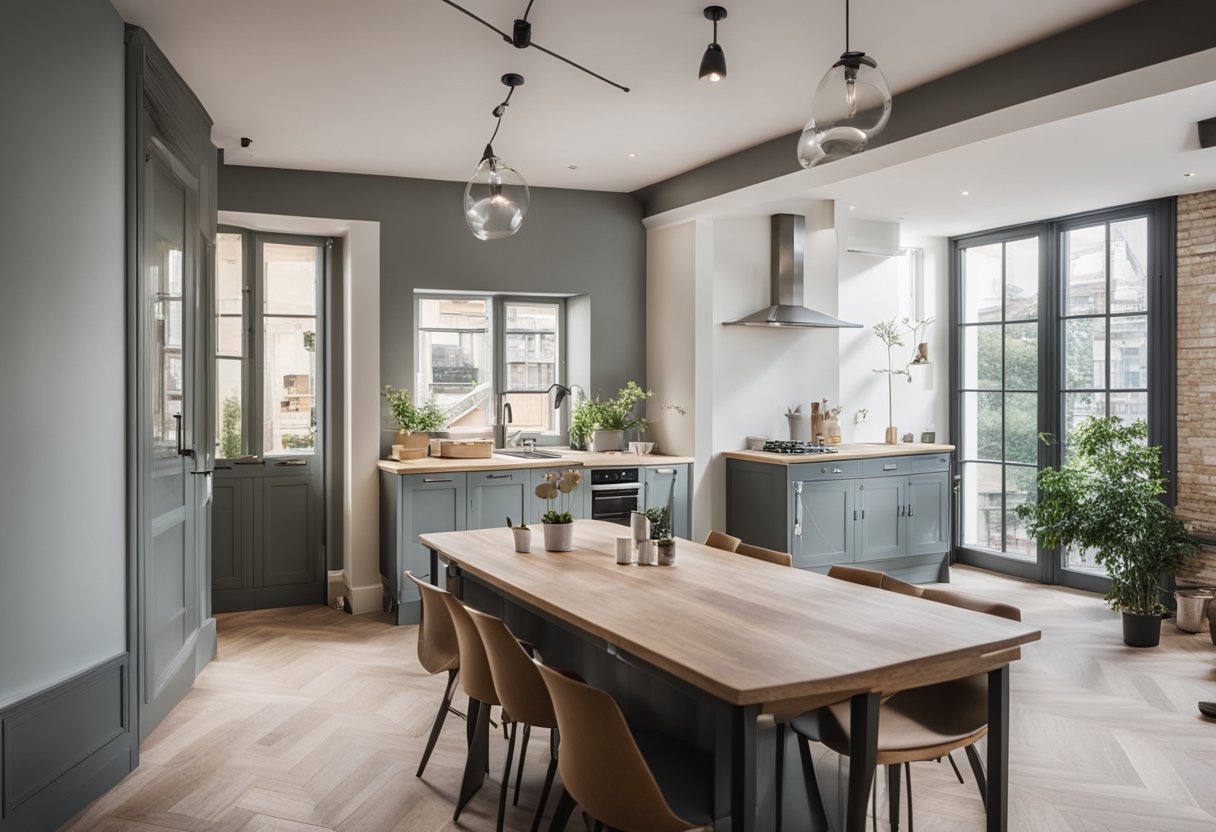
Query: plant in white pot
x=414 y=422
x=557 y=521
x=1106 y=497
x=600 y=424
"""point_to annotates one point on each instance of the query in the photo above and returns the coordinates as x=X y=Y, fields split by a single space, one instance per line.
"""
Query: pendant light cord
x=529 y=9
x=846 y=25
x=499 y=112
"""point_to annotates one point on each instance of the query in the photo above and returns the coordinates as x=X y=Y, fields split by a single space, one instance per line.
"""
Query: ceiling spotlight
x=496 y=198
x=632 y=155
x=966 y=193
x=851 y=106
x=713 y=62
x=572 y=167
x=1192 y=173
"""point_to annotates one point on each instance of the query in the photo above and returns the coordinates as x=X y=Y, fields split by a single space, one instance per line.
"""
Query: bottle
x=831 y=430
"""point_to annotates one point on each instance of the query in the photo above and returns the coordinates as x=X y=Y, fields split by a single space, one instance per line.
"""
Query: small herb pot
x=559 y=537
x=523 y=539
x=667 y=554
x=1141 y=630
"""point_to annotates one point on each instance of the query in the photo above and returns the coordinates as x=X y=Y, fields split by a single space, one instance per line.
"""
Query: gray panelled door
x=169 y=613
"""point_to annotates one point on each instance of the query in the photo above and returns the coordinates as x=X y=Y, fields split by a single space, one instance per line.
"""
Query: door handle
x=909 y=509
x=797 y=509
x=292 y=462
x=201 y=473
x=180 y=441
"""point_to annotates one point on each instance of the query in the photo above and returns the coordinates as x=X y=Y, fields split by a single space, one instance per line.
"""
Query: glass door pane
x=230 y=344
x=290 y=279
x=530 y=363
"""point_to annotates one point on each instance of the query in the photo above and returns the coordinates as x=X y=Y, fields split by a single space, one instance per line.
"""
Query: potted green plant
x=1106 y=497
x=414 y=422
x=661 y=534
x=606 y=420
x=557 y=521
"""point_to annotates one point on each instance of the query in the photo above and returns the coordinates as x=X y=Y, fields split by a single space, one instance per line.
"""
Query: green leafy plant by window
x=230 y=428
x=1107 y=497
x=411 y=417
x=615 y=413
x=557 y=488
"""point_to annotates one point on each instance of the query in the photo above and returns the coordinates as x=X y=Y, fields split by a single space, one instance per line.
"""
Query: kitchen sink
x=524 y=454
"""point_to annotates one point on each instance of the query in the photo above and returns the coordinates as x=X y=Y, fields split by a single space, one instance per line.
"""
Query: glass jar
x=831 y=430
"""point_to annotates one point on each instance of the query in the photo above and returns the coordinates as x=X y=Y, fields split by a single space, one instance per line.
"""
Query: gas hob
x=786 y=447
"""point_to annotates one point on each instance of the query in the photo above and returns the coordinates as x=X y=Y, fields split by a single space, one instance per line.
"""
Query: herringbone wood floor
x=310 y=719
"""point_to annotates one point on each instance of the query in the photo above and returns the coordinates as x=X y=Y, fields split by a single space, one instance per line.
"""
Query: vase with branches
x=888 y=332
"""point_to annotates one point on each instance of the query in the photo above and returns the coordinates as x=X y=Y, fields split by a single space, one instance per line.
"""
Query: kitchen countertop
x=569 y=459
x=860 y=450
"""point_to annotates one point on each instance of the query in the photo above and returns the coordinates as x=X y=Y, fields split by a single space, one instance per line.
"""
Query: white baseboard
x=365 y=599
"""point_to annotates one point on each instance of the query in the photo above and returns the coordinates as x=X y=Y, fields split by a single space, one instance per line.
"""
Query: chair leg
x=506 y=776
x=977 y=768
x=814 y=799
x=523 y=752
x=479 y=757
x=544 y=793
x=874 y=802
x=908 y=773
x=954 y=766
x=779 y=777
x=893 y=796
x=561 y=815
x=444 y=707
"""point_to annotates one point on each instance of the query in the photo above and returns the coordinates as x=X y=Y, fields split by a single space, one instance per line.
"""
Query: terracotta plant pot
x=1141 y=630
x=559 y=537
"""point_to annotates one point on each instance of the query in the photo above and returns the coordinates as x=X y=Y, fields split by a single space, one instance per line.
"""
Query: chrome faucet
x=505 y=417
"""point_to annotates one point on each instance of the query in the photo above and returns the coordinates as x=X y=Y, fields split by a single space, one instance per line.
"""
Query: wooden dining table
x=742 y=638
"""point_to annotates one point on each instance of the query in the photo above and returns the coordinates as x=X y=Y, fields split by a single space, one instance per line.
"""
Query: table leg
x=863 y=757
x=998 y=749
x=735 y=769
x=435 y=569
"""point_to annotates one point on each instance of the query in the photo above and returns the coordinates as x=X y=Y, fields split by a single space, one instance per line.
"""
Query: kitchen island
x=885 y=507
x=436 y=494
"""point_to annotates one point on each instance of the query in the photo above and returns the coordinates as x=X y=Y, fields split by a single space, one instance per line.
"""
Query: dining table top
x=743 y=630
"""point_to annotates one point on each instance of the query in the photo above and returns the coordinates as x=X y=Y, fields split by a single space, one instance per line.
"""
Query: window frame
x=497 y=326
x=1048 y=567
x=252 y=359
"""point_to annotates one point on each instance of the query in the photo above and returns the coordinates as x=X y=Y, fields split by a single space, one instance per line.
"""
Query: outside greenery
x=230 y=430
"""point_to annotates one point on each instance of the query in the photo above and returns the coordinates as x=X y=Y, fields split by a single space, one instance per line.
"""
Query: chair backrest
x=516 y=679
x=720 y=540
x=971 y=602
x=438 y=649
x=475 y=675
x=856 y=575
x=600 y=763
x=760 y=553
x=902 y=587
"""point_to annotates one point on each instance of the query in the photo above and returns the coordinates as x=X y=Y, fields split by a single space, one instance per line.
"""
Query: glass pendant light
x=851 y=106
x=713 y=62
x=497 y=197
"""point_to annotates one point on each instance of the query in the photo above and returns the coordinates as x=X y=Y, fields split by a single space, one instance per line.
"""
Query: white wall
x=63 y=543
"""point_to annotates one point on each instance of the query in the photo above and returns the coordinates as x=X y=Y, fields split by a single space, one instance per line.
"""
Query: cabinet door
x=496 y=495
x=880 y=508
x=927 y=513
x=668 y=486
x=287 y=524
x=823 y=522
x=431 y=503
x=228 y=552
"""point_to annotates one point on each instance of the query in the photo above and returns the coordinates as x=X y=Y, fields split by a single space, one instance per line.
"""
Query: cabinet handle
x=854 y=515
x=890 y=466
x=664 y=470
x=292 y=462
x=863 y=514
x=498 y=476
x=434 y=479
x=909 y=509
x=797 y=509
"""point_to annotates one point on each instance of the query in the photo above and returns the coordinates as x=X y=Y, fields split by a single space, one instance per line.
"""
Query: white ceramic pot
x=559 y=537
x=523 y=539
x=606 y=440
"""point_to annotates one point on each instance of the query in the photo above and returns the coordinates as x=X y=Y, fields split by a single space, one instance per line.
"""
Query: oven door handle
x=624 y=486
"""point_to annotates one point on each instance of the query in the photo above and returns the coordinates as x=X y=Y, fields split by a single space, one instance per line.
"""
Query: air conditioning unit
x=872 y=237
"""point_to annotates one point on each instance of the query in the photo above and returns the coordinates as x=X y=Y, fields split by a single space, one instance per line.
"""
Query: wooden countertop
x=569 y=459
x=745 y=631
x=859 y=450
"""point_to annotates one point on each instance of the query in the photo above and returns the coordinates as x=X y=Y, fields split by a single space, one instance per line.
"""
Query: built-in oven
x=615 y=494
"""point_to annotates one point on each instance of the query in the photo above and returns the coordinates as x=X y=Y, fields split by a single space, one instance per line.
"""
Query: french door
x=1054 y=322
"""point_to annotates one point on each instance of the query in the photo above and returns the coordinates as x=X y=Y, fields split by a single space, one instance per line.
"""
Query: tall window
x=1054 y=322
x=267 y=325
x=472 y=350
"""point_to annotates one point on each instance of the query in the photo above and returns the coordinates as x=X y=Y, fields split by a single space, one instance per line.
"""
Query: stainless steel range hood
x=788 y=235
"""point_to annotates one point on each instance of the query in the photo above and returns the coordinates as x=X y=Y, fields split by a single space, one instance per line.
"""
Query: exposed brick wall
x=1197 y=375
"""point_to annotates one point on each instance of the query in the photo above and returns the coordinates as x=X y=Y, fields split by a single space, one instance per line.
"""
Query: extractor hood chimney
x=787 y=275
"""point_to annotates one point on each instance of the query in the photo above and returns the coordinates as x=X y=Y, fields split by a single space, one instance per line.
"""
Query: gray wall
x=62 y=313
x=573 y=242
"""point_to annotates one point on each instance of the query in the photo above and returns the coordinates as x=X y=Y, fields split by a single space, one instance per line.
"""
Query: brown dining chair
x=524 y=696
x=856 y=575
x=760 y=553
x=723 y=541
x=646 y=782
x=902 y=587
x=478 y=682
x=920 y=724
x=438 y=652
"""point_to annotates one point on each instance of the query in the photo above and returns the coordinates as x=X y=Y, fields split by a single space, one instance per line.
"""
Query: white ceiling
x=405 y=87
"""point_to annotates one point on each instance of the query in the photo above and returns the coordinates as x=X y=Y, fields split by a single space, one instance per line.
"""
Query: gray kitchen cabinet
x=928 y=513
x=266 y=537
x=411 y=505
x=880 y=518
x=667 y=485
x=887 y=513
x=496 y=495
x=823 y=522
